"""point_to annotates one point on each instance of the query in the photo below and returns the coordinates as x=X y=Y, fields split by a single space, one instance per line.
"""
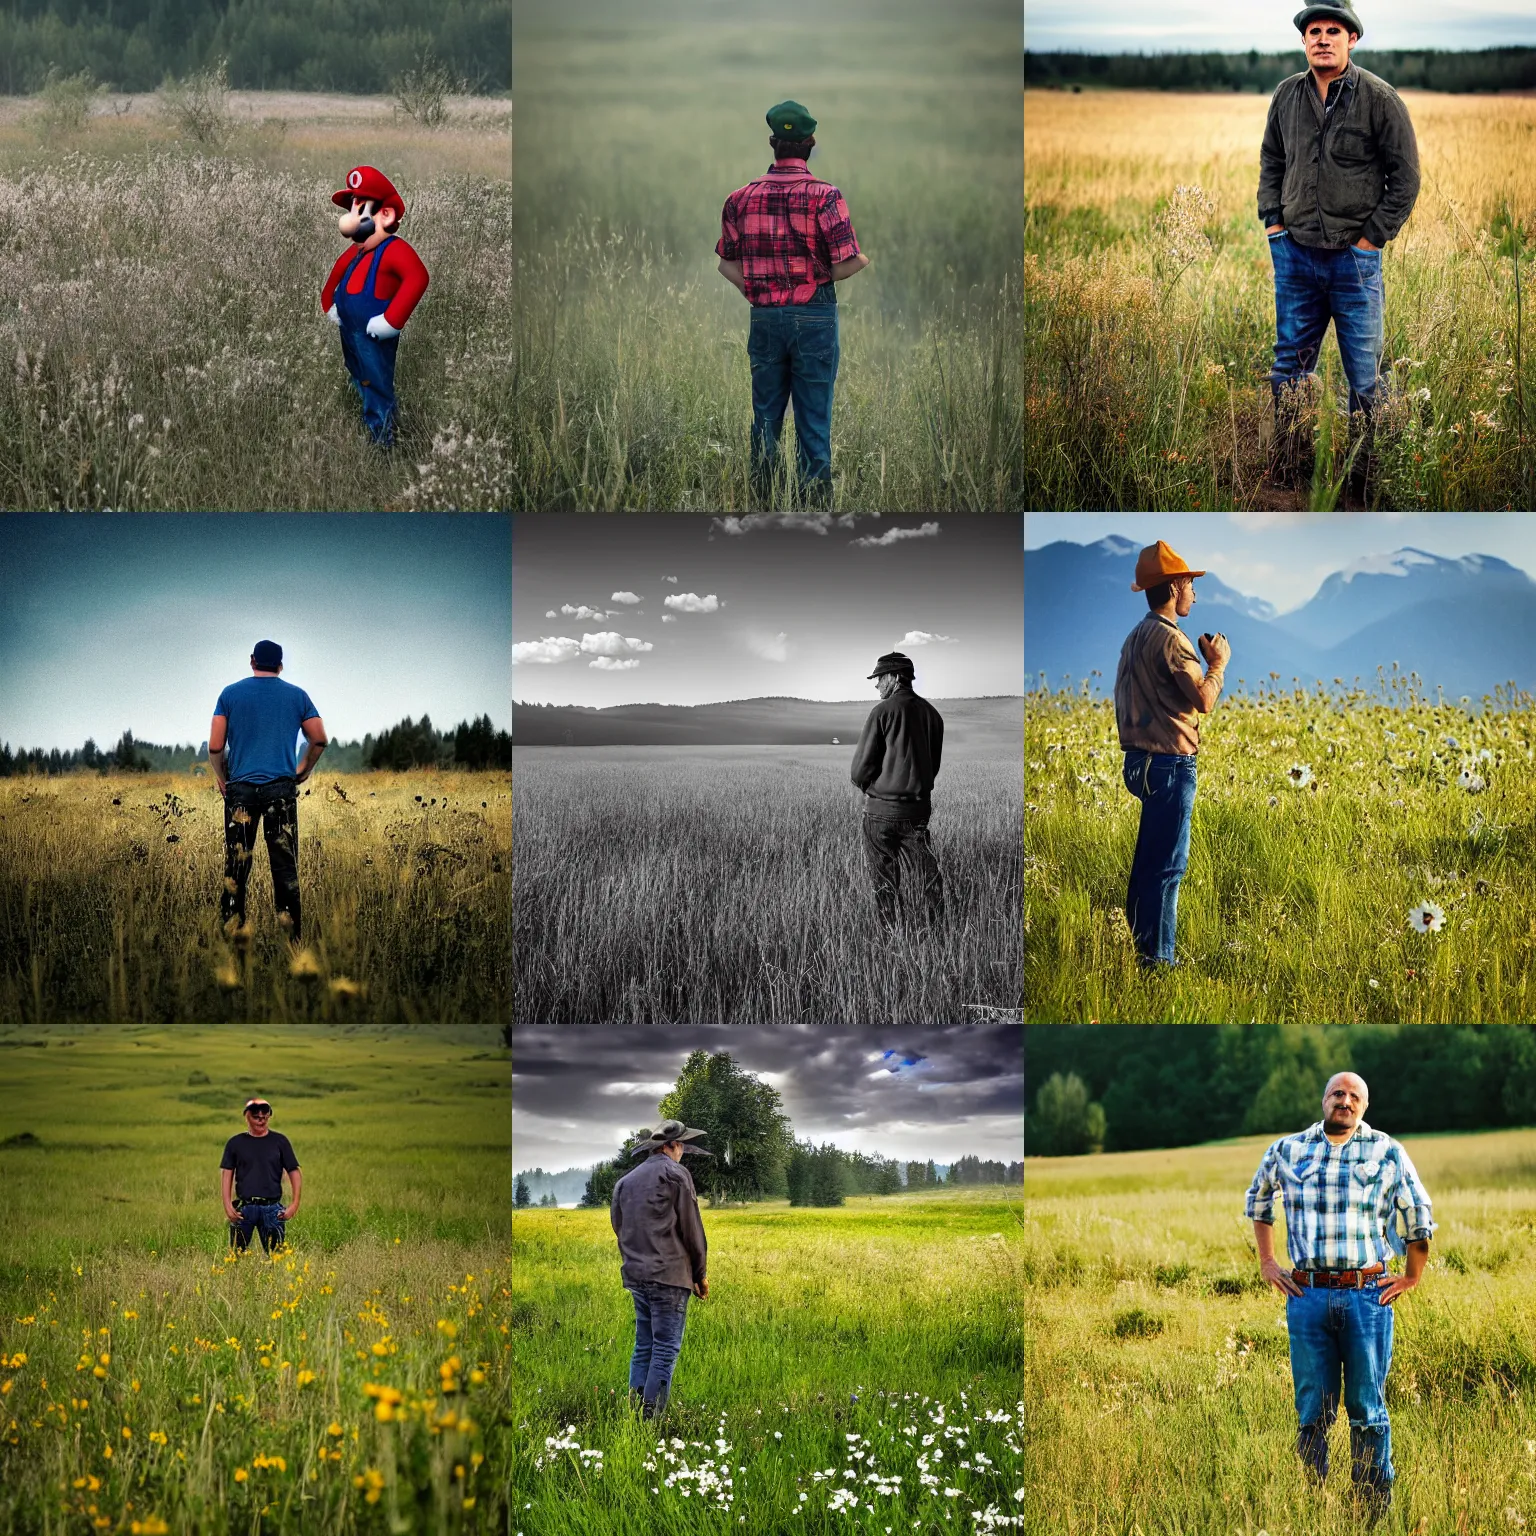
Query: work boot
x=1291 y=452
x=1365 y=466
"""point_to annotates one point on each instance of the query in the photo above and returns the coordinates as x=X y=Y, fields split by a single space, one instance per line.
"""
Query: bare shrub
x=198 y=105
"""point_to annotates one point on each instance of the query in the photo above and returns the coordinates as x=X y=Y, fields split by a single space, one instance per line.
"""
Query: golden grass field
x=167 y=349
x=109 y=889
x=1146 y=387
x=1158 y=1365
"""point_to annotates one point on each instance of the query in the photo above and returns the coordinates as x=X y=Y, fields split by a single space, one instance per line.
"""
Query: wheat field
x=109 y=890
x=1149 y=309
x=1158 y=1367
x=167 y=351
x=727 y=885
x=1296 y=903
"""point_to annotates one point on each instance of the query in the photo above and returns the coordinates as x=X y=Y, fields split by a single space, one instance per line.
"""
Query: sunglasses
x=258 y=1109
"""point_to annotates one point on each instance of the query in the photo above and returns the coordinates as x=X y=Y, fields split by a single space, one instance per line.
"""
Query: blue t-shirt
x=264 y=715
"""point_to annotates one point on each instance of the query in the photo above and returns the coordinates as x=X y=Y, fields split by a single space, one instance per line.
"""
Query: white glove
x=332 y=316
x=380 y=328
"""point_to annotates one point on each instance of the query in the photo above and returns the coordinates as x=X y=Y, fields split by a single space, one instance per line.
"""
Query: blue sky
x=135 y=621
x=639 y=608
x=1284 y=557
x=1117 y=26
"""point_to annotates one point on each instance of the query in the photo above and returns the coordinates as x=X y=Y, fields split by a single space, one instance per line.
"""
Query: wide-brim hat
x=893 y=661
x=1158 y=563
x=365 y=181
x=1341 y=13
x=668 y=1130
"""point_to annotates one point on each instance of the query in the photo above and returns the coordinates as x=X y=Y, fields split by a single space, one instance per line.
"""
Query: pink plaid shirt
x=786 y=229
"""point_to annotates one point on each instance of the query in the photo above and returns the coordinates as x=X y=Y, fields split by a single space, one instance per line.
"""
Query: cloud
x=801 y=522
x=672 y=579
x=554 y=649
x=895 y=535
x=922 y=637
x=669 y=618
x=625 y=597
x=549 y=613
x=608 y=664
x=547 y=652
x=575 y=611
x=691 y=602
x=611 y=643
x=770 y=647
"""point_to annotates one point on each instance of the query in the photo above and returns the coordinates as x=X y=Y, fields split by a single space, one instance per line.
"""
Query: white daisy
x=1426 y=918
x=1300 y=775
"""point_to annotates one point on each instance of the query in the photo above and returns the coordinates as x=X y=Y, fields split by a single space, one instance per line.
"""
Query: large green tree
x=1065 y=1123
x=749 y=1135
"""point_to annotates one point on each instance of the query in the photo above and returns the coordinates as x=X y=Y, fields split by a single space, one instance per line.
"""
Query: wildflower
x=1471 y=782
x=1372 y=983
x=1426 y=918
x=1299 y=775
x=241 y=1475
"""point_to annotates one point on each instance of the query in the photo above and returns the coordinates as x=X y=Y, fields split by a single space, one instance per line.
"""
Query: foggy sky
x=577 y=1091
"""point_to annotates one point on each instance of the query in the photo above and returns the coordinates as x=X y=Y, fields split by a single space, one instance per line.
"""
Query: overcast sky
x=910 y=1093
x=1284 y=557
x=628 y=609
x=1118 y=26
x=136 y=621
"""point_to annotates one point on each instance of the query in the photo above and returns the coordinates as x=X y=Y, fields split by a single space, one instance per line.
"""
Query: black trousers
x=887 y=840
x=275 y=806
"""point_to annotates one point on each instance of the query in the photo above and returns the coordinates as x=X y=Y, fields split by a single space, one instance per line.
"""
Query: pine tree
x=521 y=1197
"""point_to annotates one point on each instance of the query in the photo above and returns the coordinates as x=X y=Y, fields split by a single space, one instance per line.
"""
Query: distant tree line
x=1423 y=69
x=410 y=744
x=302 y=45
x=1126 y=1087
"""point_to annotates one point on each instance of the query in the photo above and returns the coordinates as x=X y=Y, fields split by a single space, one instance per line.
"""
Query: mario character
x=371 y=292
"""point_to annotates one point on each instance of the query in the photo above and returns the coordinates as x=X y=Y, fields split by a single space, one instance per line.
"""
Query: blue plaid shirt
x=1340 y=1202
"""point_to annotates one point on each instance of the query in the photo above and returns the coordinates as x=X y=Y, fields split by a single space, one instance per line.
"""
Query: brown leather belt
x=1337 y=1279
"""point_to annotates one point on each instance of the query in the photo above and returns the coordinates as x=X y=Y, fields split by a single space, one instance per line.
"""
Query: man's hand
x=231 y=1212
x=1279 y=1278
x=1217 y=650
x=1275 y=229
x=332 y=316
x=701 y=1288
x=288 y=1212
x=1365 y=245
x=380 y=329
x=1391 y=1287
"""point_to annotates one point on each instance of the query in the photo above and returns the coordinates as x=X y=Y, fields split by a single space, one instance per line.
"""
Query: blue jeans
x=1313 y=286
x=793 y=351
x=1336 y=1332
x=265 y=1220
x=1165 y=785
x=660 y=1312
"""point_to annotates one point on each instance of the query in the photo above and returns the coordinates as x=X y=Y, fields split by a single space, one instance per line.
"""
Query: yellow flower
x=333 y=1428
x=304 y=1378
x=127 y=1433
x=241 y=1475
x=154 y=1526
x=447 y=1329
x=157 y=1437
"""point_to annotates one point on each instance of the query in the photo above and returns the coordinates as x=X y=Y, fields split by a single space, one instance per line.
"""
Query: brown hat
x=1158 y=563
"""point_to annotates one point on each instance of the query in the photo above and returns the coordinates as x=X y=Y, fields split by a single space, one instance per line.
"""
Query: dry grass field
x=167 y=349
x=1149 y=307
x=727 y=885
x=109 y=890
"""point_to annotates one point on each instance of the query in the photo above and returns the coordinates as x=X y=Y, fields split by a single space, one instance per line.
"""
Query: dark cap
x=789 y=120
x=1336 y=12
x=893 y=661
x=268 y=655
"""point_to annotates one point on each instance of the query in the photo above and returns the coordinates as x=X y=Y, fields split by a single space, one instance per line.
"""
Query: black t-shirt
x=258 y=1162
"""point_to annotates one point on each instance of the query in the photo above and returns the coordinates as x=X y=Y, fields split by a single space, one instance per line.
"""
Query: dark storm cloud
x=908 y=1092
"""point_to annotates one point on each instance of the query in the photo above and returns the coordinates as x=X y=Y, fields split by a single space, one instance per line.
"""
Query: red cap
x=365 y=181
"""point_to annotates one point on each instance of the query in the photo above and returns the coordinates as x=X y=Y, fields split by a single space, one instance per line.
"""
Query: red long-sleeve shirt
x=401 y=281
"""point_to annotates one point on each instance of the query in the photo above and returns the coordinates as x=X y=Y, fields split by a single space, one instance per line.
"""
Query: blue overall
x=370 y=362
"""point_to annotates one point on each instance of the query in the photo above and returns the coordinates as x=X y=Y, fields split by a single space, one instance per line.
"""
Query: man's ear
x=387 y=213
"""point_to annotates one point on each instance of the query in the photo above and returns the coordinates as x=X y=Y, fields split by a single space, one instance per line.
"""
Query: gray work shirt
x=655 y=1215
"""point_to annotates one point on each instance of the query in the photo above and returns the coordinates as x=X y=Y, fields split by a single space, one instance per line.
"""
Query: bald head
x=1344 y=1102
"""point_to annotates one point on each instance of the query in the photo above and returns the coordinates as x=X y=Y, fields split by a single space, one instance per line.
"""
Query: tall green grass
x=824 y=1333
x=629 y=372
x=145 y=1371
x=729 y=886
x=1158 y=1364
x=1295 y=903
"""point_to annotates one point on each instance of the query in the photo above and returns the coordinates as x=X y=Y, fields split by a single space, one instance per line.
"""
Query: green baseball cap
x=789 y=120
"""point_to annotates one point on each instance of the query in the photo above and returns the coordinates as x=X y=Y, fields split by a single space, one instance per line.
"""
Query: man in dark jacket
x=655 y=1216
x=895 y=764
x=1338 y=177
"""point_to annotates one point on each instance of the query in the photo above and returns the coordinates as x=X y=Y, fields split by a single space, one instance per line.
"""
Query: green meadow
x=356 y=1381
x=852 y=1369
x=1158 y=1368
x=630 y=384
